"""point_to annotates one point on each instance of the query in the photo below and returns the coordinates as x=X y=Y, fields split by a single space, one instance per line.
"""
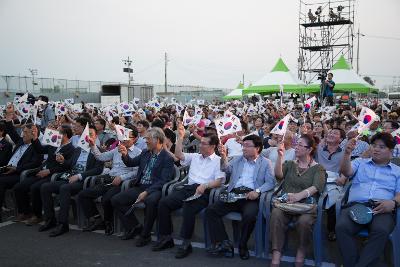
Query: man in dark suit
x=5 y=146
x=67 y=185
x=156 y=167
x=24 y=157
x=59 y=160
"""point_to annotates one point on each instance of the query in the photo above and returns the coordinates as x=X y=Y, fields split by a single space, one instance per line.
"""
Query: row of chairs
x=261 y=233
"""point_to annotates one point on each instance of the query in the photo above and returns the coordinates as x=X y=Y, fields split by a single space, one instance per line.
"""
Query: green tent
x=279 y=76
x=346 y=79
x=235 y=93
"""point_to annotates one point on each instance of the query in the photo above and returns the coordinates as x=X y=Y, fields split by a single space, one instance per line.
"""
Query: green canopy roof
x=346 y=79
x=279 y=76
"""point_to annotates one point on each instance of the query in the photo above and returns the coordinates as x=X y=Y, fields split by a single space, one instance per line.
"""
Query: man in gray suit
x=250 y=174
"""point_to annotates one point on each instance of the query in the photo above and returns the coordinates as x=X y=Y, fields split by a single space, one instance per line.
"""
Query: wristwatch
x=258 y=191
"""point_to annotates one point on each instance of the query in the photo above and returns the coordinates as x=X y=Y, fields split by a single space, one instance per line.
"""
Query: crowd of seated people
x=116 y=177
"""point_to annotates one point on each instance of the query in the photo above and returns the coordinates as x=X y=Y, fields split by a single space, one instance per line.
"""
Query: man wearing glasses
x=250 y=174
x=204 y=174
x=112 y=182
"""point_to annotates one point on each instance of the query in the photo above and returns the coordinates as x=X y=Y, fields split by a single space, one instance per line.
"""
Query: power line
x=381 y=37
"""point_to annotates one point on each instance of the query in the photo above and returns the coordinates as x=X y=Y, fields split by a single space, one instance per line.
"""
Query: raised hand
x=181 y=130
x=281 y=150
x=122 y=149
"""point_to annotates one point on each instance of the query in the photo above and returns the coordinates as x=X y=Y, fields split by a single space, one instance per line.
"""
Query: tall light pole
x=33 y=72
x=358 y=49
x=165 y=72
x=128 y=69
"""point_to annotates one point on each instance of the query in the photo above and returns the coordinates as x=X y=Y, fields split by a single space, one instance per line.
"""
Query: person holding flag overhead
x=69 y=183
x=375 y=180
x=109 y=184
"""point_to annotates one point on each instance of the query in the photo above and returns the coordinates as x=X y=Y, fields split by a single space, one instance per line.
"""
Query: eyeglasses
x=302 y=145
x=248 y=146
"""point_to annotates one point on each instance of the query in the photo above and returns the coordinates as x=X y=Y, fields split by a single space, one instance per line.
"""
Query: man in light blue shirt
x=377 y=179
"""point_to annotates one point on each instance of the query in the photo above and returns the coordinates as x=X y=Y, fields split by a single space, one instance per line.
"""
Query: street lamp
x=33 y=72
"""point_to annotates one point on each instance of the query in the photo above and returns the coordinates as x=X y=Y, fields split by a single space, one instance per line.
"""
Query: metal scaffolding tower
x=325 y=33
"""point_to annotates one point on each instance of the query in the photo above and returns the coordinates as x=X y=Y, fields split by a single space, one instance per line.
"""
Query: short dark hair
x=101 y=121
x=257 y=141
x=66 y=130
x=330 y=73
x=44 y=98
x=342 y=132
x=144 y=123
x=82 y=121
x=133 y=128
x=210 y=130
x=386 y=138
x=170 y=135
x=158 y=123
x=214 y=141
x=29 y=125
x=115 y=120
x=91 y=126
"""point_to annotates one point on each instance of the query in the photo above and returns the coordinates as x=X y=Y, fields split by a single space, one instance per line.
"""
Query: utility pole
x=243 y=80
x=128 y=69
x=33 y=72
x=358 y=49
x=165 y=72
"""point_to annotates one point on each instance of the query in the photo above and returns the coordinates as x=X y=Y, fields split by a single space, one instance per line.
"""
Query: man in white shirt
x=234 y=145
x=204 y=174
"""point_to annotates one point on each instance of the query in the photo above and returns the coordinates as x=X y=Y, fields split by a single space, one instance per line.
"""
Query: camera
x=322 y=76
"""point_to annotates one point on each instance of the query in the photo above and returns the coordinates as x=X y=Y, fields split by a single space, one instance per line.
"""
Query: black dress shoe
x=132 y=233
x=224 y=248
x=163 y=244
x=48 y=225
x=109 y=228
x=244 y=253
x=61 y=229
x=96 y=225
x=143 y=241
x=183 y=251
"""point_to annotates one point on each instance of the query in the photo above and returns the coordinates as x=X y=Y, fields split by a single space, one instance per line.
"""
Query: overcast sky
x=209 y=42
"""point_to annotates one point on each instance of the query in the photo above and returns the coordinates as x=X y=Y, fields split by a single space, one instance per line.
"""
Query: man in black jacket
x=59 y=160
x=5 y=146
x=67 y=185
x=24 y=157
x=156 y=167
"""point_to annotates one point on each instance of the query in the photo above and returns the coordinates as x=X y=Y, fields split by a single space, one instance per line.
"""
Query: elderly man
x=204 y=174
x=156 y=167
x=376 y=179
x=24 y=157
x=250 y=174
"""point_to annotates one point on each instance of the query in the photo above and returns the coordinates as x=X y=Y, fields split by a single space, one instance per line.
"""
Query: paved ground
x=25 y=246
